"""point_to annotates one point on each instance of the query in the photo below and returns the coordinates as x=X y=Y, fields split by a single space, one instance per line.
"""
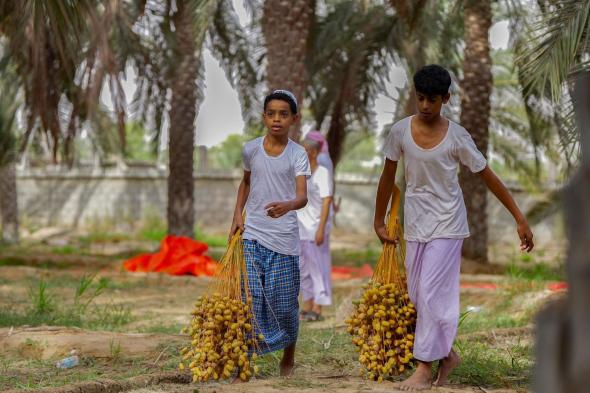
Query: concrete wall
x=125 y=197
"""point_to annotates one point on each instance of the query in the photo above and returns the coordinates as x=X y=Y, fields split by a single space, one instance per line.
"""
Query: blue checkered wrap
x=273 y=280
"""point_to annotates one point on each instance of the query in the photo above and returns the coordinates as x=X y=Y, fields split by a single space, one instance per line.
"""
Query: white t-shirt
x=272 y=179
x=319 y=186
x=434 y=206
x=325 y=161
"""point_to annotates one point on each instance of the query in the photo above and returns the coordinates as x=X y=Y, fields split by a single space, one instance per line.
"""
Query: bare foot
x=287 y=369
x=447 y=365
x=420 y=380
x=288 y=361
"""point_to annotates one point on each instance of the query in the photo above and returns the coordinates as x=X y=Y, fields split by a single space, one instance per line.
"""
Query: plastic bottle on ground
x=69 y=362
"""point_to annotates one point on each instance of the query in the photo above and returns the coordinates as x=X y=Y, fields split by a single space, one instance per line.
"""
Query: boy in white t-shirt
x=273 y=187
x=314 y=223
x=435 y=218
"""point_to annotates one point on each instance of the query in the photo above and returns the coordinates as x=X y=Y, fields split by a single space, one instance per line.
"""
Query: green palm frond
x=45 y=41
x=549 y=53
x=64 y=54
x=513 y=155
x=522 y=121
x=232 y=46
x=355 y=44
x=558 y=41
x=156 y=64
x=350 y=68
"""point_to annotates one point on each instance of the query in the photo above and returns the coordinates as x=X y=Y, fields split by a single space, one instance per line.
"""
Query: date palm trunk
x=181 y=211
x=8 y=203
x=476 y=89
x=286 y=26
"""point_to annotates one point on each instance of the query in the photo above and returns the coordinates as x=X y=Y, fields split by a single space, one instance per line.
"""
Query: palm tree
x=476 y=88
x=45 y=43
x=170 y=84
x=74 y=49
x=182 y=129
x=8 y=197
x=354 y=45
x=286 y=26
x=551 y=52
x=62 y=51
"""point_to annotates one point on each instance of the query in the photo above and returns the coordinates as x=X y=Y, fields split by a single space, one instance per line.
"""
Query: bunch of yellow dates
x=223 y=340
x=382 y=326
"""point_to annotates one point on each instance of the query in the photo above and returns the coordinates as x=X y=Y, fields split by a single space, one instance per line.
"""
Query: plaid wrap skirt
x=273 y=279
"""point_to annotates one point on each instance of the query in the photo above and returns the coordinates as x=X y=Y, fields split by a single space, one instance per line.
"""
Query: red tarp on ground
x=557 y=286
x=365 y=271
x=177 y=256
x=181 y=255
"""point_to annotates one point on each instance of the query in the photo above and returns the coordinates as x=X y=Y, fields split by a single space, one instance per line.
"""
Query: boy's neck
x=431 y=121
x=277 y=139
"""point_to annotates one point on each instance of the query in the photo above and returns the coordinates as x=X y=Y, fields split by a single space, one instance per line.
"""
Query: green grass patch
x=356 y=258
x=536 y=272
x=481 y=321
x=65 y=250
x=103 y=237
x=211 y=240
x=12 y=262
x=36 y=374
x=124 y=285
x=493 y=367
x=316 y=349
x=153 y=234
x=156 y=234
x=79 y=310
x=173 y=328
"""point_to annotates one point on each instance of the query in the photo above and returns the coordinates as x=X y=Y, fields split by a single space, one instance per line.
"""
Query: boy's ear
x=297 y=117
x=446 y=98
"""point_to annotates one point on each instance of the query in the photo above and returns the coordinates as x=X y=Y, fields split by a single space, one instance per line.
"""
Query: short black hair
x=432 y=80
x=282 y=95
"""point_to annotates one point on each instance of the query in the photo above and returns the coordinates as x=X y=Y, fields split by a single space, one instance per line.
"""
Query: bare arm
x=278 y=209
x=300 y=193
x=498 y=188
x=325 y=213
x=384 y=191
x=243 y=192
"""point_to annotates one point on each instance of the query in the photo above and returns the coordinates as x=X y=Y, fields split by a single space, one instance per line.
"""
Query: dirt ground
x=314 y=383
x=130 y=357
